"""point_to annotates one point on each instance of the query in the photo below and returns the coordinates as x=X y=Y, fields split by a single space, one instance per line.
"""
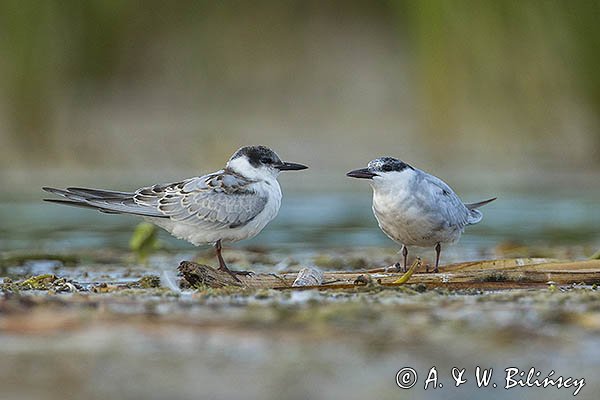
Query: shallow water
x=317 y=221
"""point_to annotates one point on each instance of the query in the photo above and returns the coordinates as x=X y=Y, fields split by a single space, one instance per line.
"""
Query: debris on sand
x=309 y=276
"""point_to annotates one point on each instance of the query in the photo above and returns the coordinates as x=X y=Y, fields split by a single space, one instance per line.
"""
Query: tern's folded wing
x=446 y=202
x=218 y=200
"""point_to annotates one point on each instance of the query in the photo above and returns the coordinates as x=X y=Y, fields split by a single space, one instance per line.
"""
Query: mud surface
x=99 y=325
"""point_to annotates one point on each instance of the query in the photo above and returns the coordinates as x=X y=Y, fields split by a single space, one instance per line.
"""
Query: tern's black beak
x=290 y=166
x=362 y=173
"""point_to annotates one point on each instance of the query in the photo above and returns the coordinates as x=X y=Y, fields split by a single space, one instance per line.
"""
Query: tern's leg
x=438 y=250
x=223 y=266
x=405 y=254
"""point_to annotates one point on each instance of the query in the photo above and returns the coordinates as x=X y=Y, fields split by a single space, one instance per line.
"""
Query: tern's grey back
x=221 y=200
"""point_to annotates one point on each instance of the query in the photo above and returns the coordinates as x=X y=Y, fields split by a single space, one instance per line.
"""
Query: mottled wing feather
x=218 y=200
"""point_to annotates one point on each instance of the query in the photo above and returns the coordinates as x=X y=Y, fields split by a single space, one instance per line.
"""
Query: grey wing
x=218 y=200
x=448 y=203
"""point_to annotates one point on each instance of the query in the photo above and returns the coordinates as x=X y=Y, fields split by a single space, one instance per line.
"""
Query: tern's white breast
x=271 y=189
x=405 y=213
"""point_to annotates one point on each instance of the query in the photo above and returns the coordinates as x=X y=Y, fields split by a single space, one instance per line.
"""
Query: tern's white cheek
x=393 y=183
x=398 y=177
x=244 y=168
x=376 y=181
x=385 y=178
x=274 y=172
x=240 y=165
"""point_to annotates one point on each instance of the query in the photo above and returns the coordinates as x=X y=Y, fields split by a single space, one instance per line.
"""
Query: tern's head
x=259 y=162
x=382 y=169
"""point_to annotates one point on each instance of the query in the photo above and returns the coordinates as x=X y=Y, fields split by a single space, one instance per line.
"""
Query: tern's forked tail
x=474 y=206
x=474 y=214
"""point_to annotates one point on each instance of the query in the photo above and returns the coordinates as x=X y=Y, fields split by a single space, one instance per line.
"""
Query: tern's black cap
x=388 y=164
x=263 y=156
x=257 y=155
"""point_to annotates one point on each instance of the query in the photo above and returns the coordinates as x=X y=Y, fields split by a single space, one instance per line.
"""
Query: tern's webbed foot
x=230 y=272
x=393 y=268
x=234 y=274
x=243 y=273
x=397 y=267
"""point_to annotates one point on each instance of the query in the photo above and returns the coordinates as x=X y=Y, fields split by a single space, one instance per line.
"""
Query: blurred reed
x=124 y=83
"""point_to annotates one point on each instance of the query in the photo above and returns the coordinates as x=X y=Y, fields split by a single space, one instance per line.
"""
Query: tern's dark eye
x=266 y=160
x=386 y=167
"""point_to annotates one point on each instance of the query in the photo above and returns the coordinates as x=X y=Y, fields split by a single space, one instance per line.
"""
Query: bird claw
x=393 y=268
x=243 y=273
x=234 y=274
x=397 y=267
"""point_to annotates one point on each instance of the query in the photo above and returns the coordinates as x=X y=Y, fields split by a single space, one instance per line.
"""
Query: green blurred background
x=132 y=92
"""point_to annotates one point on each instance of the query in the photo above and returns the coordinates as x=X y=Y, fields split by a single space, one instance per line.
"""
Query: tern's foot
x=243 y=273
x=235 y=273
x=397 y=267
x=393 y=268
x=230 y=272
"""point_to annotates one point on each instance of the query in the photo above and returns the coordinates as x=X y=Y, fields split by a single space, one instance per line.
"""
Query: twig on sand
x=484 y=275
